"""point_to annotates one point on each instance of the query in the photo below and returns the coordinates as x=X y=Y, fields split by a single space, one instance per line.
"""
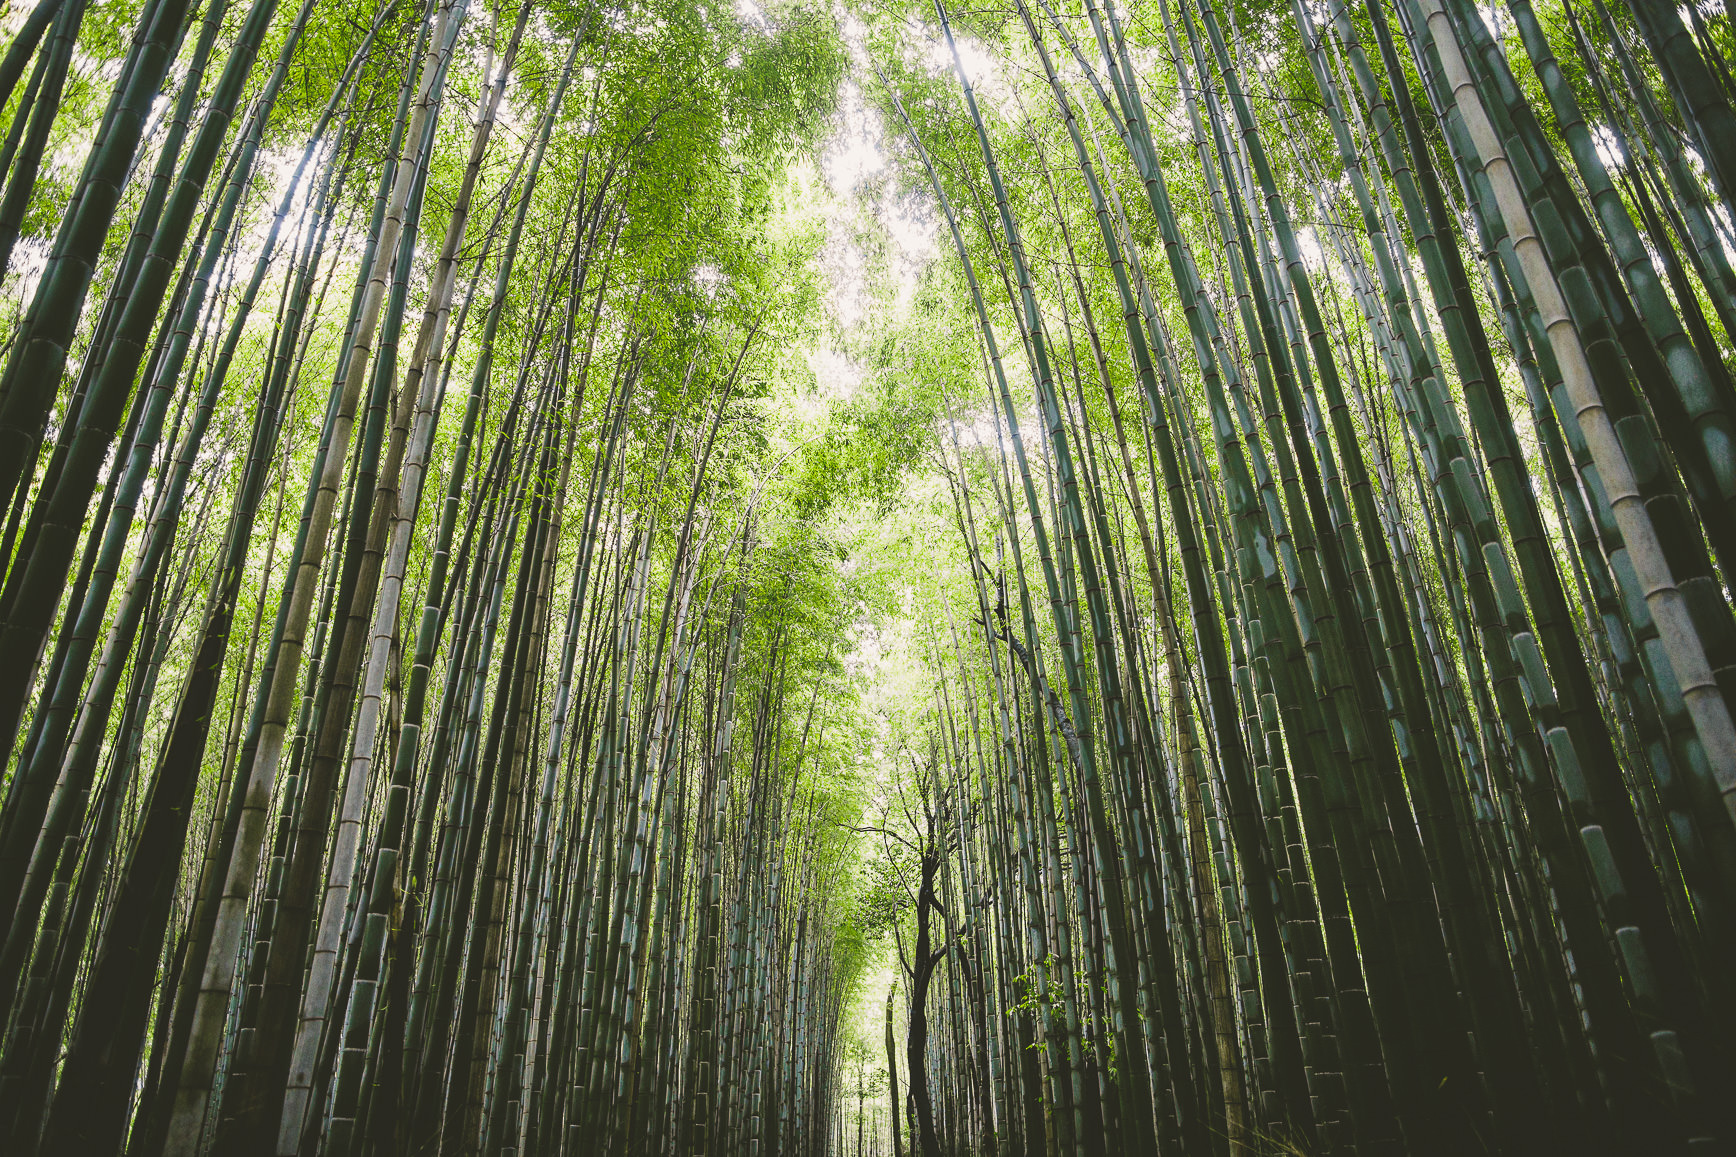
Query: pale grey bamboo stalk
x=193 y=1087
x=424 y=365
x=1706 y=706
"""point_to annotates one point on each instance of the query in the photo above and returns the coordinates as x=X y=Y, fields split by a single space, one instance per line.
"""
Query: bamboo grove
x=1241 y=664
x=399 y=609
x=1328 y=745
